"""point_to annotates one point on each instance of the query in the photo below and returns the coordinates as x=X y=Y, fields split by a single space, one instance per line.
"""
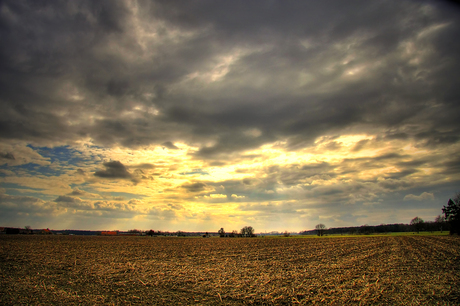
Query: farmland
x=71 y=270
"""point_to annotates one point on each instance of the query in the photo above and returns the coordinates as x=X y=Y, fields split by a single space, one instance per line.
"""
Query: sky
x=197 y=115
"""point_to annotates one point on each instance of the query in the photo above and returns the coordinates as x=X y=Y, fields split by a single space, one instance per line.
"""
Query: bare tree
x=221 y=232
x=320 y=229
x=417 y=224
x=247 y=231
x=440 y=220
x=250 y=231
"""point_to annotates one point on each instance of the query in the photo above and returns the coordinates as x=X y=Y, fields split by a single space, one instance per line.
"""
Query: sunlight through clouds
x=221 y=114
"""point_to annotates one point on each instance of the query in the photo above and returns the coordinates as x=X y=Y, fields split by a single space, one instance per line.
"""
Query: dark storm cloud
x=7 y=155
x=73 y=70
x=194 y=187
x=402 y=174
x=170 y=145
x=48 y=45
x=382 y=101
x=371 y=162
x=451 y=166
x=229 y=142
x=77 y=192
x=114 y=169
x=360 y=145
x=67 y=199
x=392 y=184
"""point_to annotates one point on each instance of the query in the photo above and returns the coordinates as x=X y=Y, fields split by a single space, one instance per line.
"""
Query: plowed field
x=71 y=270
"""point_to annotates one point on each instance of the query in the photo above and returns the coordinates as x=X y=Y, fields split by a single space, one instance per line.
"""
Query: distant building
x=46 y=231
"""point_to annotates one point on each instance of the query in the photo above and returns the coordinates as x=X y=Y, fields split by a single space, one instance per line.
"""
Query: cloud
x=318 y=103
x=67 y=199
x=319 y=73
x=360 y=145
x=7 y=156
x=422 y=197
x=145 y=166
x=113 y=169
x=195 y=187
x=79 y=192
x=175 y=206
x=170 y=145
x=13 y=207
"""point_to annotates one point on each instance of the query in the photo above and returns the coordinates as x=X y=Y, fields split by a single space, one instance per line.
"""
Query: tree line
x=247 y=231
x=379 y=229
x=449 y=221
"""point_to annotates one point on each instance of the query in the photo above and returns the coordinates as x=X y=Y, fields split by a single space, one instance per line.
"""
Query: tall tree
x=451 y=212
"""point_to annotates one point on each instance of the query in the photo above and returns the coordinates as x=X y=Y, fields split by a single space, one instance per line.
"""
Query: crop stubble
x=71 y=270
